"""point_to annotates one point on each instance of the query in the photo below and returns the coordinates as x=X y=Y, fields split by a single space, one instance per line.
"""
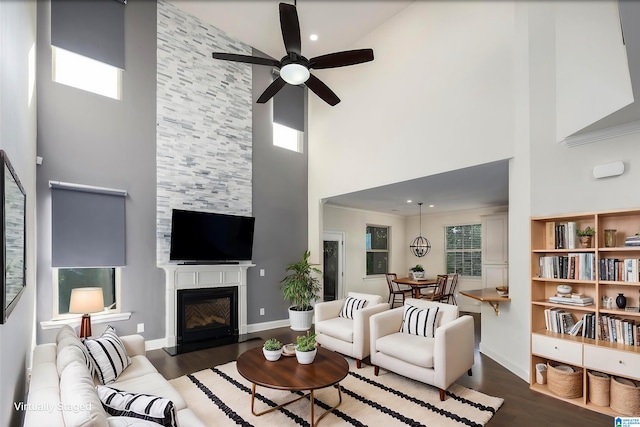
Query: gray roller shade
x=87 y=227
x=92 y=28
x=288 y=107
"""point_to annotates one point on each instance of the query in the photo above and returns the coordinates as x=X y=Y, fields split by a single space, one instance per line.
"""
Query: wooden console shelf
x=487 y=295
x=591 y=272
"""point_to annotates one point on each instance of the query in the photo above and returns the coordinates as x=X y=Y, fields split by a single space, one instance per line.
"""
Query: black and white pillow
x=137 y=405
x=422 y=322
x=108 y=354
x=351 y=305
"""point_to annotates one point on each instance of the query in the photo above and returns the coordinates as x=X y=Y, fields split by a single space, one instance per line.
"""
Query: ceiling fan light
x=294 y=74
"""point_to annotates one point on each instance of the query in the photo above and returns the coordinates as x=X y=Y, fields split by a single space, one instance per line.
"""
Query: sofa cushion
x=139 y=366
x=109 y=355
x=412 y=349
x=338 y=327
x=417 y=321
x=350 y=306
x=130 y=422
x=79 y=401
x=67 y=338
x=138 y=405
x=154 y=383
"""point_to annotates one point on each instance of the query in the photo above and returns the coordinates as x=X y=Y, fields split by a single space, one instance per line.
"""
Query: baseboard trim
x=274 y=324
x=155 y=344
x=505 y=362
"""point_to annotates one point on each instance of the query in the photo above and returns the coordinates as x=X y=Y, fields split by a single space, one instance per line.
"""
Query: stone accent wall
x=204 y=130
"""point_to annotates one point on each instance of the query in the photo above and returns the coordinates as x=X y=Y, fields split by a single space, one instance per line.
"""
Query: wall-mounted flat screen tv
x=205 y=237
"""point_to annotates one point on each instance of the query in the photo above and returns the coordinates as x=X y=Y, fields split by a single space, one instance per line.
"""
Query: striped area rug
x=221 y=397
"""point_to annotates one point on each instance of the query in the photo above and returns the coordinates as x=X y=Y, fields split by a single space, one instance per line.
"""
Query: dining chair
x=396 y=289
x=436 y=293
x=450 y=293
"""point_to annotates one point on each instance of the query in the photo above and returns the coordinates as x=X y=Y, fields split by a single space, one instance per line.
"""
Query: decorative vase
x=306 y=357
x=271 y=355
x=621 y=301
x=585 y=241
x=609 y=238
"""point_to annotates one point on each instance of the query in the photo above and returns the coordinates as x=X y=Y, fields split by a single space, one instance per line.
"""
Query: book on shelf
x=571 y=301
x=571 y=235
x=550 y=238
x=577 y=327
x=632 y=241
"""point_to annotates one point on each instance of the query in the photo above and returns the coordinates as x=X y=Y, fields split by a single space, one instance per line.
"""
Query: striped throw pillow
x=418 y=321
x=351 y=305
x=108 y=354
x=137 y=405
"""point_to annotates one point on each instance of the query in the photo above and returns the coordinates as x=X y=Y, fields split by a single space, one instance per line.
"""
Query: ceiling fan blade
x=341 y=59
x=290 y=27
x=271 y=90
x=322 y=90
x=246 y=59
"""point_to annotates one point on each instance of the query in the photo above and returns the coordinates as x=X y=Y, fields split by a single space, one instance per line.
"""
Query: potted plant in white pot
x=417 y=272
x=306 y=348
x=300 y=287
x=272 y=349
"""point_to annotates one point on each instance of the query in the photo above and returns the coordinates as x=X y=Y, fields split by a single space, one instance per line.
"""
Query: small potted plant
x=417 y=272
x=585 y=236
x=306 y=348
x=272 y=349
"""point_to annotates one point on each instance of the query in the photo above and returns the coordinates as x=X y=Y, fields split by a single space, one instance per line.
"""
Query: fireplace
x=196 y=278
x=206 y=314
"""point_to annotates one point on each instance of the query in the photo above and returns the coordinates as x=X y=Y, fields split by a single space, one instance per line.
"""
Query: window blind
x=87 y=226
x=288 y=107
x=91 y=28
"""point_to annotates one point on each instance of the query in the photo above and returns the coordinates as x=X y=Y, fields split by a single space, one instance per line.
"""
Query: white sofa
x=347 y=336
x=62 y=393
x=438 y=361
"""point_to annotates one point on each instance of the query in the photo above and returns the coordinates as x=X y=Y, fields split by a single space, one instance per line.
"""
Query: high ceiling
x=339 y=26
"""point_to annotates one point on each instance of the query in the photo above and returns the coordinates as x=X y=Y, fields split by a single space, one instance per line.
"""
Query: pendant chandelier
x=420 y=245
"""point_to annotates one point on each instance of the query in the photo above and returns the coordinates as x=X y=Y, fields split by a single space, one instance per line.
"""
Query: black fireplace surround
x=206 y=315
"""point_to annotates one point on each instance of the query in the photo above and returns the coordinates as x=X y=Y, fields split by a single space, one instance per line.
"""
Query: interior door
x=333 y=266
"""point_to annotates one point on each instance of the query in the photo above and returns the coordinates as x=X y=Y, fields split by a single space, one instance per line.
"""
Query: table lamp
x=85 y=301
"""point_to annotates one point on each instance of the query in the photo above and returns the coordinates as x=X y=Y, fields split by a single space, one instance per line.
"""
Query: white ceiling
x=339 y=26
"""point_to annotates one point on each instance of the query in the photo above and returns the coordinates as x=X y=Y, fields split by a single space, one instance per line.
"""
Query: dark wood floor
x=522 y=407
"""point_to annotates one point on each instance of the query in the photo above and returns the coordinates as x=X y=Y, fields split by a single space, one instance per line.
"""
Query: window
x=85 y=73
x=288 y=138
x=463 y=248
x=377 y=241
x=66 y=279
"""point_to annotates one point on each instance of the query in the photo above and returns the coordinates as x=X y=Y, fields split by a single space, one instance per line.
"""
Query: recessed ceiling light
x=409 y=201
x=313 y=37
x=431 y=206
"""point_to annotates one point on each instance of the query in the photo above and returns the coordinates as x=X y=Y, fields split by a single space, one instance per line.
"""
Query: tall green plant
x=300 y=286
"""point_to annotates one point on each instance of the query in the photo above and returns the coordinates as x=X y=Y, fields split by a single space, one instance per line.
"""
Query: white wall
x=493 y=63
x=441 y=84
x=18 y=139
x=353 y=223
x=591 y=63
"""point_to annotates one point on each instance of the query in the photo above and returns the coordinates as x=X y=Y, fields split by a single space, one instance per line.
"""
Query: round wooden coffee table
x=327 y=369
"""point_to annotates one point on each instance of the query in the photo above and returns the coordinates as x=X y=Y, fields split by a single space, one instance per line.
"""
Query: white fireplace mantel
x=203 y=276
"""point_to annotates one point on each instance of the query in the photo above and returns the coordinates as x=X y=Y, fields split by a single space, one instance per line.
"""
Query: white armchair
x=438 y=361
x=347 y=336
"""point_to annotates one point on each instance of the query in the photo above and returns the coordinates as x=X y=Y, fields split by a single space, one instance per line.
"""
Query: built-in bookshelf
x=607 y=338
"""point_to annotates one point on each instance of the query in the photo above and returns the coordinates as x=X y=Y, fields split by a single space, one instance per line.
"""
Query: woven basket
x=599 y=385
x=625 y=398
x=564 y=384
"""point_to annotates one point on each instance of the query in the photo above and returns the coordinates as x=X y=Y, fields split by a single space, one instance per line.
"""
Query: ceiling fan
x=294 y=68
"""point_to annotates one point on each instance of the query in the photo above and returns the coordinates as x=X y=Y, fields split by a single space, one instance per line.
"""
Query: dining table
x=416 y=285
